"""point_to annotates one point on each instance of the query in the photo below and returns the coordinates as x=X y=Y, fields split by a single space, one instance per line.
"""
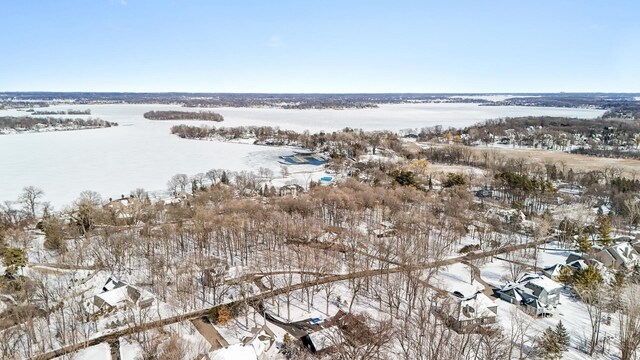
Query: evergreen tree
x=605 y=231
x=618 y=280
x=549 y=345
x=566 y=275
x=584 y=245
x=224 y=178
x=587 y=278
x=288 y=348
x=562 y=336
x=14 y=259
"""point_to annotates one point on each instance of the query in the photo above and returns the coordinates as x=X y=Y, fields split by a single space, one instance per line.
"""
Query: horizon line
x=314 y=93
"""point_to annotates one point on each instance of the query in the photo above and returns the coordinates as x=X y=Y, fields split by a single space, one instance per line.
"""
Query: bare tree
x=284 y=171
x=629 y=317
x=178 y=181
x=29 y=198
x=594 y=299
x=633 y=211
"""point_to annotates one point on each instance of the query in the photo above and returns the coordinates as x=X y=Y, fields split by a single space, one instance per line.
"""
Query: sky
x=320 y=46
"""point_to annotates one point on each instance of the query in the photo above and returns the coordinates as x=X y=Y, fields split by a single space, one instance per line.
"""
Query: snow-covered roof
x=121 y=292
x=325 y=338
x=112 y=284
x=235 y=352
x=252 y=350
x=510 y=286
x=538 y=280
x=545 y=283
x=474 y=307
x=526 y=277
x=573 y=257
x=578 y=264
x=115 y=296
x=554 y=270
x=623 y=253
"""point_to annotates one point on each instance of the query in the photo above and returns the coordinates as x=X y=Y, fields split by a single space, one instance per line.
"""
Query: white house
x=251 y=348
x=118 y=294
x=467 y=313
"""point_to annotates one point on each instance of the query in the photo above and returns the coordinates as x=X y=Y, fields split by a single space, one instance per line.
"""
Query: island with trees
x=184 y=115
x=60 y=112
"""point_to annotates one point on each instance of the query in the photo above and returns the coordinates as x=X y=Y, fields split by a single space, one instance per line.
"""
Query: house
x=619 y=256
x=118 y=294
x=510 y=292
x=290 y=189
x=251 y=348
x=544 y=289
x=554 y=271
x=636 y=245
x=506 y=216
x=538 y=293
x=124 y=210
x=467 y=313
x=383 y=229
x=578 y=265
x=323 y=339
x=572 y=257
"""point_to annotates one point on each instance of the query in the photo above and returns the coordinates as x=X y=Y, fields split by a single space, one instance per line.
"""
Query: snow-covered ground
x=143 y=153
x=97 y=352
x=573 y=313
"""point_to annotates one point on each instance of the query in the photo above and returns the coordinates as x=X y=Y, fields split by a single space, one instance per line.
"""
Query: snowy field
x=143 y=153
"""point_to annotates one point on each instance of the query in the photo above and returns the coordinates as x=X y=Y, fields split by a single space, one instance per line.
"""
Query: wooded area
x=183 y=115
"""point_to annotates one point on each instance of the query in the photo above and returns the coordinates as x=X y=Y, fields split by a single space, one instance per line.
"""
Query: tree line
x=60 y=112
x=27 y=123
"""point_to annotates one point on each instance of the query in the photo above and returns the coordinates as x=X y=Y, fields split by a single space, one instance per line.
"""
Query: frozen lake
x=143 y=153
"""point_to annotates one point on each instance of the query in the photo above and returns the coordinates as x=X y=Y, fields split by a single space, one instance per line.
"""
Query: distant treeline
x=607 y=128
x=608 y=153
x=22 y=104
x=553 y=131
x=25 y=123
x=60 y=112
x=618 y=105
x=183 y=115
x=303 y=104
x=625 y=111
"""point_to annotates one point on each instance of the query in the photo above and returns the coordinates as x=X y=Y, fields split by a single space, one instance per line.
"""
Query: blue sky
x=320 y=45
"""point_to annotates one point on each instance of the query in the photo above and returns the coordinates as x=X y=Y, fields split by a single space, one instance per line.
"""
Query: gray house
x=620 y=256
x=538 y=293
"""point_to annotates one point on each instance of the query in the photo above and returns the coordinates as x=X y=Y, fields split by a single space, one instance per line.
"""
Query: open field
x=630 y=167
